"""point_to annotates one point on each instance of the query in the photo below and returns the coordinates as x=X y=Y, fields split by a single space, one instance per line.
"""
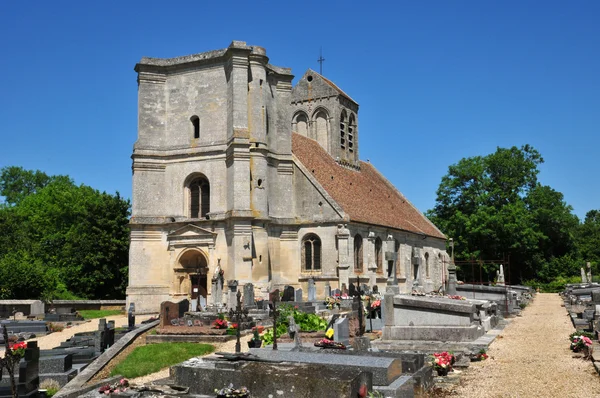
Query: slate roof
x=365 y=195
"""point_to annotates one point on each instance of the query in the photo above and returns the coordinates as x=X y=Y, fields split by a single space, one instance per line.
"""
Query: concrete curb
x=76 y=387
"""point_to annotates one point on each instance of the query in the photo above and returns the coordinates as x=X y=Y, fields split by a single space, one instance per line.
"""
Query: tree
x=17 y=183
x=494 y=207
x=74 y=236
x=588 y=239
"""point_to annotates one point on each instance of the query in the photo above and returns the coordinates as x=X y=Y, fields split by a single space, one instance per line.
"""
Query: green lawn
x=93 y=314
x=154 y=357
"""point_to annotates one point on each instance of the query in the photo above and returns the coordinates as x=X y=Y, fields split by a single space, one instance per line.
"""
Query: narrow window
x=199 y=190
x=196 y=123
x=378 y=255
x=351 y=132
x=427 y=265
x=358 y=253
x=311 y=256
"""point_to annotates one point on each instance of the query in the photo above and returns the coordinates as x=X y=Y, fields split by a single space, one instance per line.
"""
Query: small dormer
x=325 y=113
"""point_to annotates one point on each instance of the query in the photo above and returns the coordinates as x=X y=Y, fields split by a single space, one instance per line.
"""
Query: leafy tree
x=588 y=240
x=494 y=207
x=74 y=236
x=17 y=183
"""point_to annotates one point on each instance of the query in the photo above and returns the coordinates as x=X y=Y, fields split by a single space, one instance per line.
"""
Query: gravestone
x=248 y=295
x=341 y=331
x=131 y=316
x=294 y=332
x=344 y=289
x=170 y=311
x=312 y=290
x=288 y=294
x=365 y=289
x=298 y=296
x=327 y=289
x=202 y=303
x=375 y=289
x=352 y=291
x=337 y=292
x=232 y=285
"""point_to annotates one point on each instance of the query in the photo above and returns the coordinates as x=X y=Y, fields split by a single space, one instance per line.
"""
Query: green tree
x=73 y=235
x=494 y=207
x=588 y=240
x=17 y=183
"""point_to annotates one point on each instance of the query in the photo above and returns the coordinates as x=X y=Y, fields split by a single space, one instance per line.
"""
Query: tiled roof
x=365 y=195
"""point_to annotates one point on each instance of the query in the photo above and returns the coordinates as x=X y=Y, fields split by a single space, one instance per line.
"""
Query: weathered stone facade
x=221 y=182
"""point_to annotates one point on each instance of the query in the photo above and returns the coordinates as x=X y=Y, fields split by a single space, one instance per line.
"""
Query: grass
x=154 y=357
x=93 y=314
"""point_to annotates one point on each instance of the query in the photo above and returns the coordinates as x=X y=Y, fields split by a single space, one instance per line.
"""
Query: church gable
x=190 y=235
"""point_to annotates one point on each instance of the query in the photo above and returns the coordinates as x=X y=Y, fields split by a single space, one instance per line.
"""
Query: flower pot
x=442 y=371
x=254 y=343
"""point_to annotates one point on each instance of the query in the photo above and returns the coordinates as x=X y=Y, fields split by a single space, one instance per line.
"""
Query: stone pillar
x=343 y=236
x=452 y=279
x=583 y=276
x=500 y=278
x=369 y=247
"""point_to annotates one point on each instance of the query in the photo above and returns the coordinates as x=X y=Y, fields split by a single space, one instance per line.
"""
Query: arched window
x=358 y=253
x=300 y=124
x=311 y=253
x=343 y=128
x=378 y=255
x=196 y=125
x=427 y=265
x=199 y=199
x=322 y=129
x=351 y=132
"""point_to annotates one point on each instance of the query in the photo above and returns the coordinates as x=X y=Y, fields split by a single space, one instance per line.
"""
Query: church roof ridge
x=332 y=85
x=365 y=194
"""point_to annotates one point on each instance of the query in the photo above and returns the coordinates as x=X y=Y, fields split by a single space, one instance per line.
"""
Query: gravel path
x=531 y=358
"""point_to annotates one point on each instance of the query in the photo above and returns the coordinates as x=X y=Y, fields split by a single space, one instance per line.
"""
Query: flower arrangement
x=580 y=342
x=18 y=349
x=232 y=392
x=121 y=386
x=256 y=341
x=329 y=333
x=331 y=302
x=220 y=324
x=442 y=362
x=326 y=343
x=456 y=297
x=480 y=356
x=232 y=329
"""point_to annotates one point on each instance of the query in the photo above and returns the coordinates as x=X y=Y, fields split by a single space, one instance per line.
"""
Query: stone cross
x=238 y=315
x=274 y=298
x=583 y=276
x=358 y=300
x=294 y=332
x=217 y=287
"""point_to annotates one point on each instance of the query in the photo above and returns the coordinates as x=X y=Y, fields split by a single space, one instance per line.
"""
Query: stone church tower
x=235 y=170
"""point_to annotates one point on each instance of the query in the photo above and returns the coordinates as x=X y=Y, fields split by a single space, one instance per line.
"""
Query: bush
x=51 y=386
x=55 y=327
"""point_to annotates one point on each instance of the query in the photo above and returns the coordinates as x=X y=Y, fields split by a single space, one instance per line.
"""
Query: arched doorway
x=194 y=263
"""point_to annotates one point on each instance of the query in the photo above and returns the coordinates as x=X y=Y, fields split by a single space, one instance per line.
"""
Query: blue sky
x=436 y=80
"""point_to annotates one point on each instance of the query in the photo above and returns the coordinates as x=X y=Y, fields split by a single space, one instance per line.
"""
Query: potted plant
x=232 y=392
x=442 y=363
x=480 y=356
x=255 y=342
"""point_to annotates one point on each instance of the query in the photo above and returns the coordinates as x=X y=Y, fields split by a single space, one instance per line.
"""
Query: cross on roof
x=320 y=61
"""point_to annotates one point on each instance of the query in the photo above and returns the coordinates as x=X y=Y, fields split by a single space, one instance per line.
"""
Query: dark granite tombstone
x=288 y=294
x=26 y=374
x=375 y=289
x=170 y=311
x=352 y=291
x=248 y=295
x=131 y=316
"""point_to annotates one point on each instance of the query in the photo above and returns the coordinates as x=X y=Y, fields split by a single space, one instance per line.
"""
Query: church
x=239 y=174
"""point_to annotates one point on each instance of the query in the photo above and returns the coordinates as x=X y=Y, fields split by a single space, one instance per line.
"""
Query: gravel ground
x=531 y=358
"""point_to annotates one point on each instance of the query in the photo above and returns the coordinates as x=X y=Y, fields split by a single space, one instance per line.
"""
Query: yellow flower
x=329 y=333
